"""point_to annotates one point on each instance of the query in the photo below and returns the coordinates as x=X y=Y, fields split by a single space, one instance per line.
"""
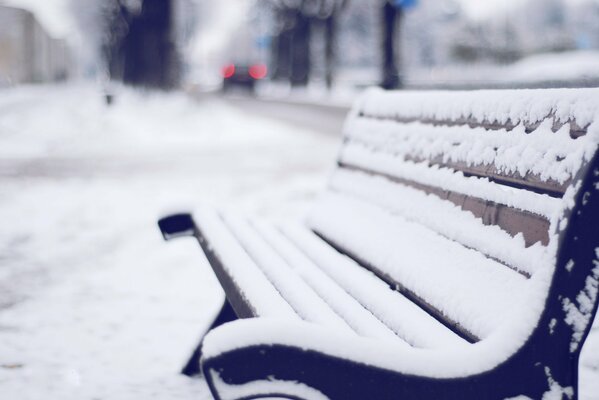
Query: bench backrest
x=466 y=202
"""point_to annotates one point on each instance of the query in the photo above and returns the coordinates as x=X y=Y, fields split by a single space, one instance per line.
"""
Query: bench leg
x=226 y=314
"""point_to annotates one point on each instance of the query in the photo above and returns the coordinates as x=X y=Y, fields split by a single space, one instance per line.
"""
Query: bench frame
x=546 y=362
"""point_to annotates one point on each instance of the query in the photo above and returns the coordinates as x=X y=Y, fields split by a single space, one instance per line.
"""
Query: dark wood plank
x=534 y=228
x=576 y=130
x=531 y=182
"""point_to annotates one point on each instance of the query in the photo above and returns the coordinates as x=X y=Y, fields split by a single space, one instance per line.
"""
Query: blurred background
x=116 y=112
x=315 y=44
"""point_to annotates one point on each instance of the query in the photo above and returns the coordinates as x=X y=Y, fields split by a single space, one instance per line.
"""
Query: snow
x=517 y=106
x=385 y=161
x=261 y=295
x=409 y=321
x=395 y=245
x=556 y=391
x=443 y=217
x=579 y=314
x=268 y=387
x=509 y=151
x=360 y=319
x=285 y=282
x=439 y=363
x=93 y=303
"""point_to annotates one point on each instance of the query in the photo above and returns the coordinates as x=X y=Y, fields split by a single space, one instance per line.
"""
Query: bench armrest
x=177 y=225
x=240 y=354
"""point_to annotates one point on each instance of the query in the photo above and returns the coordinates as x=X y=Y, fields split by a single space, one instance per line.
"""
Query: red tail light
x=228 y=71
x=258 y=71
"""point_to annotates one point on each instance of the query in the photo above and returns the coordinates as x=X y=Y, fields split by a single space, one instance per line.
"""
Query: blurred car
x=245 y=76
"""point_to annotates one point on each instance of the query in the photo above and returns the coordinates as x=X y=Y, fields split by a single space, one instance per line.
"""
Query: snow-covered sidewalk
x=93 y=304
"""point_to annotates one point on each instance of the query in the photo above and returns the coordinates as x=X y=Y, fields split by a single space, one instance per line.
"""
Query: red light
x=228 y=71
x=258 y=71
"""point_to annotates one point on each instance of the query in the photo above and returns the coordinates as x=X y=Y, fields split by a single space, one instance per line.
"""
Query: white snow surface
x=409 y=321
x=402 y=249
x=516 y=106
x=343 y=306
x=93 y=304
x=246 y=275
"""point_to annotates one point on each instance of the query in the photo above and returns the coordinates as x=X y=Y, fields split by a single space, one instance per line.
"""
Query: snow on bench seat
x=412 y=323
x=256 y=294
x=475 y=292
x=361 y=319
x=304 y=301
x=320 y=285
x=265 y=267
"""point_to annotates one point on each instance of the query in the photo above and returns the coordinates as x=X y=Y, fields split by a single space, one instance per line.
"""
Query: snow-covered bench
x=454 y=255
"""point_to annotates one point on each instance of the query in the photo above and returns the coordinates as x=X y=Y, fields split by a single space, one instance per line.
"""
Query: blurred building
x=28 y=54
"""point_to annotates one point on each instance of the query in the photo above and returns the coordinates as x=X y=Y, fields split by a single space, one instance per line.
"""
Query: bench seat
x=453 y=255
x=297 y=267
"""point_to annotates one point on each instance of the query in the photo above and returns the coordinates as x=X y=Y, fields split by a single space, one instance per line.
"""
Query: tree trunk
x=145 y=54
x=281 y=46
x=391 y=19
x=300 y=51
x=330 y=50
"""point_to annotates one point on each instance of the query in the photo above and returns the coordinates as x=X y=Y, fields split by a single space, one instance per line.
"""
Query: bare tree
x=291 y=47
x=391 y=19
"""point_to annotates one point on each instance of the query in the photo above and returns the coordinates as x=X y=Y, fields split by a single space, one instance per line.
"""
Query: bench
x=454 y=255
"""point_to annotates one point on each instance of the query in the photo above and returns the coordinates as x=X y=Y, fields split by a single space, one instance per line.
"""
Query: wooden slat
x=529 y=181
x=576 y=130
x=440 y=216
x=534 y=228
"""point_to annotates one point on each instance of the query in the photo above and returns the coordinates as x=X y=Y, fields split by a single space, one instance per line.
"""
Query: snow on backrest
x=497 y=169
x=508 y=157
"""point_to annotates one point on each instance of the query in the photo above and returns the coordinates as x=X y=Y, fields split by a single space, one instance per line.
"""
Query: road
x=327 y=119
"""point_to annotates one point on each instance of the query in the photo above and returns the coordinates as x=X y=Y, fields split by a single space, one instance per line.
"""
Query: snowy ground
x=93 y=305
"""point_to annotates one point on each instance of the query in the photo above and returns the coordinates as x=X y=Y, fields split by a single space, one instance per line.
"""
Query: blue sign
x=263 y=42
x=405 y=4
